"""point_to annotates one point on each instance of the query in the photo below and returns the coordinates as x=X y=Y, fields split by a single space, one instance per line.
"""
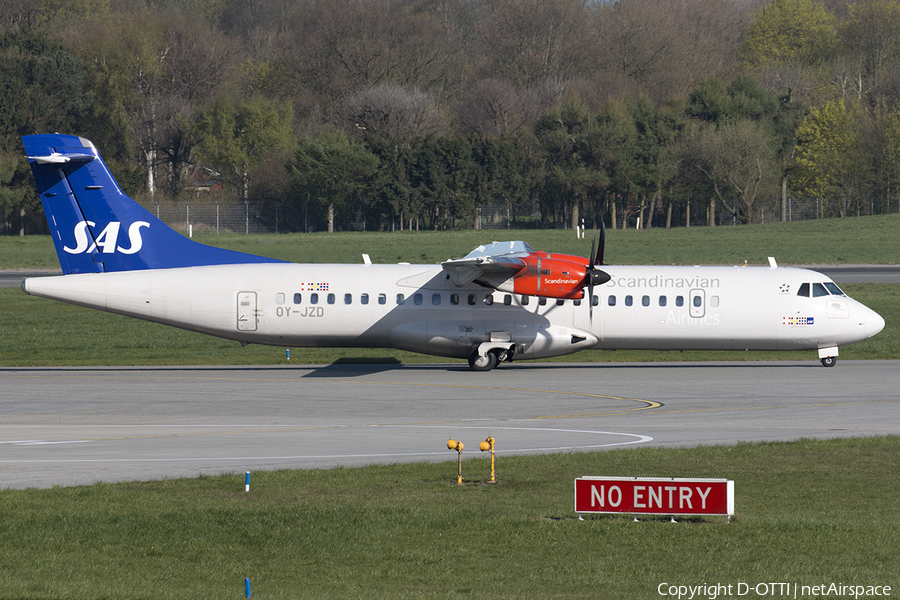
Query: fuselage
x=418 y=308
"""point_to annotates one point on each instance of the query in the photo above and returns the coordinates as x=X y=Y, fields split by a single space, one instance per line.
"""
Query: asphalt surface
x=76 y=426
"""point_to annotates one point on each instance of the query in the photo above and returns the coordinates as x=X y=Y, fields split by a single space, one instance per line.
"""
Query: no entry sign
x=654 y=496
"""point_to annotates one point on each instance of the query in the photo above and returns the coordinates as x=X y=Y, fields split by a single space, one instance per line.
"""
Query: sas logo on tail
x=107 y=239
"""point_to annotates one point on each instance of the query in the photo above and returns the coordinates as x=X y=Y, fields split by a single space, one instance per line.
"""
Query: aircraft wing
x=489 y=265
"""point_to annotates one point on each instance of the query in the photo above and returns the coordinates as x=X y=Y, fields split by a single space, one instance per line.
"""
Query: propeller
x=596 y=276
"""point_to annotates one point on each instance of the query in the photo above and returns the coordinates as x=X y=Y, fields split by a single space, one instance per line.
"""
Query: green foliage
x=235 y=137
x=597 y=103
x=809 y=512
x=790 y=31
x=332 y=170
x=44 y=88
x=826 y=154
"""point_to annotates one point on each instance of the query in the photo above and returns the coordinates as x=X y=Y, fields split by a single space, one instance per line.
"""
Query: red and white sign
x=654 y=496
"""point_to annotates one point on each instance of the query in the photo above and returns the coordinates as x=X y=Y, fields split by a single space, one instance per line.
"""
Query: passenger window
x=313 y=298
x=662 y=300
x=804 y=290
x=524 y=300
x=363 y=298
x=382 y=298
x=472 y=300
x=436 y=299
x=542 y=301
x=629 y=300
x=298 y=298
x=577 y=301
x=454 y=299
x=348 y=298
x=400 y=299
x=560 y=302
x=679 y=300
x=819 y=290
x=595 y=300
x=645 y=300
x=489 y=299
x=279 y=298
x=714 y=301
x=611 y=300
x=330 y=298
x=698 y=301
x=417 y=299
x=507 y=300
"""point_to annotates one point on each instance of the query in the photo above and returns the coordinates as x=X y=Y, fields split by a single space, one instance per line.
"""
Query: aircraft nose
x=874 y=323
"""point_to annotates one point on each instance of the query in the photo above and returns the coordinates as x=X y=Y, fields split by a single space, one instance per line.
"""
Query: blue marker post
x=247 y=481
x=287 y=353
x=247 y=586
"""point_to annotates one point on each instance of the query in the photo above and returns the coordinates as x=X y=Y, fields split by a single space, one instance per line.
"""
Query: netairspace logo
x=771 y=590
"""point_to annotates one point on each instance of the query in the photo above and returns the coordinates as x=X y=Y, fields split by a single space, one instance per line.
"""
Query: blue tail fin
x=95 y=226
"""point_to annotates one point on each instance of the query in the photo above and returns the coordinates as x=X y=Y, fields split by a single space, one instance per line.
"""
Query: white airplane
x=502 y=302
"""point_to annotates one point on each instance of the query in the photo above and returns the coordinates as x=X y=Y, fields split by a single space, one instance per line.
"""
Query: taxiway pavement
x=76 y=426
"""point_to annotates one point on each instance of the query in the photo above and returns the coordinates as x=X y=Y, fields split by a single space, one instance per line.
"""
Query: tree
x=738 y=161
x=496 y=107
x=333 y=170
x=235 y=136
x=871 y=38
x=15 y=197
x=394 y=113
x=827 y=155
x=45 y=89
x=659 y=49
x=790 y=32
x=573 y=147
x=533 y=43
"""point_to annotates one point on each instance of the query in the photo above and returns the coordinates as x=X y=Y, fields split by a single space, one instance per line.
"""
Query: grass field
x=807 y=513
x=862 y=240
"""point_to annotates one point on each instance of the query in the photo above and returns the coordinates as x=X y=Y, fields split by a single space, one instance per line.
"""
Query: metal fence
x=212 y=217
x=208 y=216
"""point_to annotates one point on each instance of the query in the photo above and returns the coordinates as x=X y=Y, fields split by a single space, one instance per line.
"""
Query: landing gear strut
x=829 y=361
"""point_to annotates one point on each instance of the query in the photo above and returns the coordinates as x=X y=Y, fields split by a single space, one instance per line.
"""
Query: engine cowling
x=552 y=275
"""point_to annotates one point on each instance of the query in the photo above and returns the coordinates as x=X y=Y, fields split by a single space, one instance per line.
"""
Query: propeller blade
x=599 y=258
x=593 y=247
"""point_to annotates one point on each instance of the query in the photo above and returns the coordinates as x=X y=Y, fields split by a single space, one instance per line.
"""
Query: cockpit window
x=833 y=288
x=828 y=288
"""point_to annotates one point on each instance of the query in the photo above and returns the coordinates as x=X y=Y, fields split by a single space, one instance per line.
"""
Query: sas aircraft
x=501 y=302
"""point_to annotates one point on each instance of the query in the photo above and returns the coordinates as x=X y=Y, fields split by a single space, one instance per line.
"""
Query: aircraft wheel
x=829 y=361
x=482 y=363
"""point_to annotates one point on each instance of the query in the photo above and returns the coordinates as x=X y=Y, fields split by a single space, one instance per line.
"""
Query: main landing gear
x=490 y=359
x=483 y=363
x=829 y=361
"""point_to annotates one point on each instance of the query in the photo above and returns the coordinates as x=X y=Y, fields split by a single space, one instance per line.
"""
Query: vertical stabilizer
x=97 y=228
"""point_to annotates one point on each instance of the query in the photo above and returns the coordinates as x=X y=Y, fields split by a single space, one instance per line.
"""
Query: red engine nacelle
x=552 y=275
